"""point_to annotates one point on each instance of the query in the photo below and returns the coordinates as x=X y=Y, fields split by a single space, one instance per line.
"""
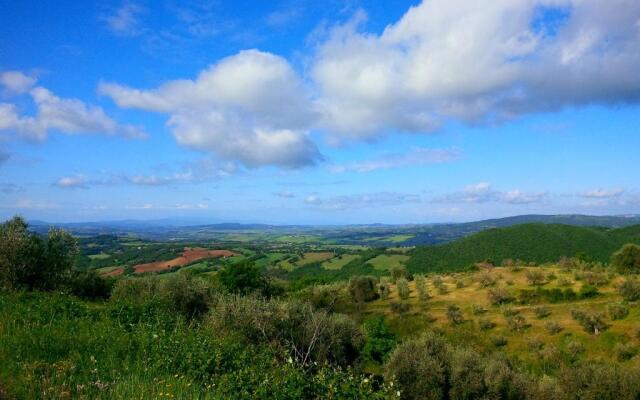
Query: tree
x=421 y=288
x=627 y=259
x=535 y=277
x=243 y=277
x=363 y=289
x=30 y=261
x=630 y=289
x=403 y=288
x=380 y=340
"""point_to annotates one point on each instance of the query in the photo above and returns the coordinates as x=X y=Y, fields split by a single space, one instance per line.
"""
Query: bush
x=380 y=341
x=385 y=290
x=499 y=341
x=188 y=296
x=363 y=289
x=617 y=311
x=403 y=288
x=535 y=277
x=90 y=286
x=244 y=278
x=517 y=323
x=486 y=324
x=553 y=327
x=591 y=322
x=630 y=289
x=485 y=279
x=542 y=312
x=420 y=367
x=421 y=287
x=575 y=349
x=587 y=292
x=500 y=296
x=625 y=351
x=292 y=326
x=627 y=259
x=397 y=273
x=399 y=307
x=477 y=309
x=454 y=315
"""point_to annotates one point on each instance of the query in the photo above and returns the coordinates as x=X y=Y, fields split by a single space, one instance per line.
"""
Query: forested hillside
x=528 y=242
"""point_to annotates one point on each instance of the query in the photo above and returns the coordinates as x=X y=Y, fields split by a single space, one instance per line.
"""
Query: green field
x=385 y=262
x=339 y=262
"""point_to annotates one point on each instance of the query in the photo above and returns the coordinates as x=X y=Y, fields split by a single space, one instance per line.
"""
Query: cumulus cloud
x=16 y=81
x=69 y=116
x=483 y=192
x=124 y=20
x=250 y=107
x=477 y=62
x=414 y=157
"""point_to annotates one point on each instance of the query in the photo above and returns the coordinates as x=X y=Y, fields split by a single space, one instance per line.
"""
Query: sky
x=308 y=112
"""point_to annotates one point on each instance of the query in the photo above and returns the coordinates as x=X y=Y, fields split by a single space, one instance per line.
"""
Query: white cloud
x=68 y=116
x=477 y=61
x=603 y=193
x=312 y=199
x=72 y=182
x=413 y=157
x=483 y=192
x=16 y=81
x=250 y=107
x=124 y=20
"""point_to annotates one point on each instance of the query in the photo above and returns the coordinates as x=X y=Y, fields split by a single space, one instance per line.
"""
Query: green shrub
x=617 y=311
x=454 y=314
x=499 y=341
x=29 y=261
x=500 y=296
x=363 y=289
x=486 y=324
x=587 y=292
x=421 y=287
x=244 y=277
x=627 y=259
x=420 y=367
x=591 y=322
x=625 y=351
x=517 y=323
x=477 y=309
x=542 y=312
x=380 y=341
x=403 y=288
x=553 y=328
x=535 y=277
x=630 y=289
x=90 y=286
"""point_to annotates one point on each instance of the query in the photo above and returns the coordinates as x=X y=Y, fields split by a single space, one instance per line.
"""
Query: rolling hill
x=529 y=242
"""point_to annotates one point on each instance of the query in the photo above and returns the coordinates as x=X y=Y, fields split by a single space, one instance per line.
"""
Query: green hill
x=528 y=242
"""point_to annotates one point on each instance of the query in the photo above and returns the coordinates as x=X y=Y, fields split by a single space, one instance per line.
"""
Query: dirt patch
x=188 y=256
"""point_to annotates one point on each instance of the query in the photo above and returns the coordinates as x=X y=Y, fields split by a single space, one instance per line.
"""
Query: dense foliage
x=529 y=242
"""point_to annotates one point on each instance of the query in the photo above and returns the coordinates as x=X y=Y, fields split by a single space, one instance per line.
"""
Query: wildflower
x=398 y=393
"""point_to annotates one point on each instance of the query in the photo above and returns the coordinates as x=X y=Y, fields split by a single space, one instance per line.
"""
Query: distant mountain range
x=369 y=234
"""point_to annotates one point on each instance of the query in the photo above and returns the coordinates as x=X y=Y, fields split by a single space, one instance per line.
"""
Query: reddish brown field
x=188 y=256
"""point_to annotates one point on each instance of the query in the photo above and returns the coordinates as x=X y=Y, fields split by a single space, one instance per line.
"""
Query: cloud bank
x=442 y=61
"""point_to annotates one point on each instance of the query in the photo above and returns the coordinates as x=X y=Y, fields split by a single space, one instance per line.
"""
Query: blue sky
x=318 y=112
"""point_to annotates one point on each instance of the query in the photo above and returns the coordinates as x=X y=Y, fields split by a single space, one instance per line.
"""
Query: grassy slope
x=529 y=242
x=518 y=343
